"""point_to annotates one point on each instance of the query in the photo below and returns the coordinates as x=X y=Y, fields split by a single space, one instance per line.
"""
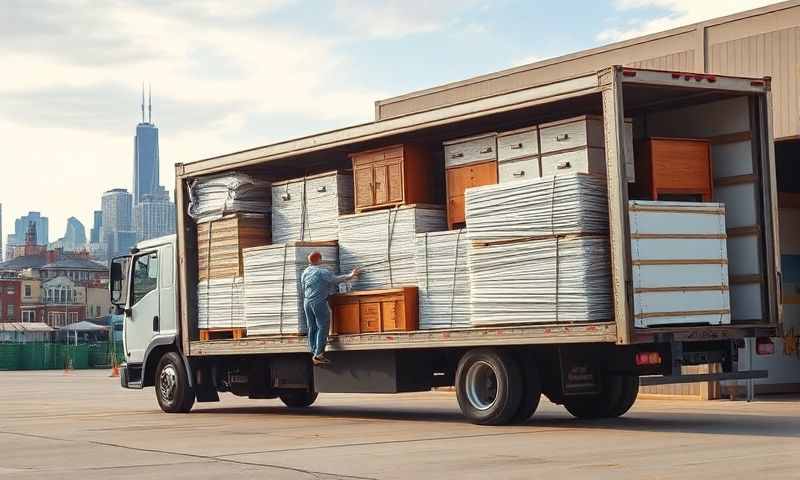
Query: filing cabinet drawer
x=571 y=133
x=518 y=144
x=587 y=160
x=520 y=169
x=470 y=150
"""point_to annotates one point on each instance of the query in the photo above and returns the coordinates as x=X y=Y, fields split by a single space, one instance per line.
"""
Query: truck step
x=222 y=333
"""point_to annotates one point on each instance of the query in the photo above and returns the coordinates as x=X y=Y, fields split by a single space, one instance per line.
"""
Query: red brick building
x=10 y=300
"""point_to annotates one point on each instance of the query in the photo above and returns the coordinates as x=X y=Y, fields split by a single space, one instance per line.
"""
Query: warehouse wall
x=759 y=42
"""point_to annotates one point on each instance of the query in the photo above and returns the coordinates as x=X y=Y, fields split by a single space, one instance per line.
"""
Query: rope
x=283 y=287
x=303 y=210
x=390 y=230
x=455 y=270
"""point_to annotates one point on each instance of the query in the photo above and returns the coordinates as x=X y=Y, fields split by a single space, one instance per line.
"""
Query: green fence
x=44 y=356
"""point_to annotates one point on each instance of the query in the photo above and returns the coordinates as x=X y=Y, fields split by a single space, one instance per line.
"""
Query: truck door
x=144 y=312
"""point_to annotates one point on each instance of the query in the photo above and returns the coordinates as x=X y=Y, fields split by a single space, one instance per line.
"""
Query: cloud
x=398 y=18
x=675 y=13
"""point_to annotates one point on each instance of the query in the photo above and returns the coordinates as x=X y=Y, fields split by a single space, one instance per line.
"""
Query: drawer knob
x=486 y=150
x=521 y=173
x=563 y=165
x=457 y=155
x=562 y=138
x=322 y=189
x=516 y=146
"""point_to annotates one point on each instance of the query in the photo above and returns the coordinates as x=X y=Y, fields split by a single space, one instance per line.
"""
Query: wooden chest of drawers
x=469 y=162
x=390 y=176
x=673 y=169
x=375 y=311
x=220 y=243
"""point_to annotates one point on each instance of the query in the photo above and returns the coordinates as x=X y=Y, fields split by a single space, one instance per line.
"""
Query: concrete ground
x=83 y=425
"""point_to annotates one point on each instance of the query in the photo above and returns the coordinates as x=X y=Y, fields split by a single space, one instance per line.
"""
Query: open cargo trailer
x=591 y=368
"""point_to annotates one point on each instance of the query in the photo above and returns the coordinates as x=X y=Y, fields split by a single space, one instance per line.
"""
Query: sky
x=227 y=76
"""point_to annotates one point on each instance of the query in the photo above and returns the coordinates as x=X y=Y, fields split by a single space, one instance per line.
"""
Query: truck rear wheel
x=617 y=397
x=531 y=393
x=298 y=398
x=173 y=392
x=488 y=387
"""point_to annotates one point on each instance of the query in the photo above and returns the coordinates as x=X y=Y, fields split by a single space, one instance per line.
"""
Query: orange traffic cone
x=114 y=368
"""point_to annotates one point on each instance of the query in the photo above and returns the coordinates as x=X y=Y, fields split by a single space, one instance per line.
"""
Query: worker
x=318 y=283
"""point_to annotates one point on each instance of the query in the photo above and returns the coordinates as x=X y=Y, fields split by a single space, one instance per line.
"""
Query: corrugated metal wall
x=756 y=43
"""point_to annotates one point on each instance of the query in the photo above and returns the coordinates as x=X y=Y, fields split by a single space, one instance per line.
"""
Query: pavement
x=82 y=425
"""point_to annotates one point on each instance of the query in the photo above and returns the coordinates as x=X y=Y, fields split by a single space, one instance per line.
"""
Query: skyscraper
x=145 y=156
x=75 y=236
x=154 y=216
x=118 y=235
x=97 y=225
x=15 y=241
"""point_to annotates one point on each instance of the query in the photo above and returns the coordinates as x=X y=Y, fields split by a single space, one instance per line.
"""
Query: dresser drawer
x=520 y=169
x=470 y=150
x=572 y=133
x=518 y=144
x=587 y=160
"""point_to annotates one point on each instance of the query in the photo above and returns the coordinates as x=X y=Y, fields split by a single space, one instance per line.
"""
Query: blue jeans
x=318 y=318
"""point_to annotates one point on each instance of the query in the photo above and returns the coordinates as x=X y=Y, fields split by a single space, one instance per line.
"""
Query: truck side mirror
x=118 y=284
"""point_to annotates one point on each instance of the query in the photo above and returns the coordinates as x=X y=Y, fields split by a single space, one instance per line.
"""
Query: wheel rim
x=168 y=383
x=481 y=385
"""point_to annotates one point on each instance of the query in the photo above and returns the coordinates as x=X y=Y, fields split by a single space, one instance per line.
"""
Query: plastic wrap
x=213 y=196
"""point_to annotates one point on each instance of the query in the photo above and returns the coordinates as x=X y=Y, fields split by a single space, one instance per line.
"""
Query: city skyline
x=70 y=140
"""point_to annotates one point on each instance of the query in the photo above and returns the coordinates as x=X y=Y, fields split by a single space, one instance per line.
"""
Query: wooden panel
x=456 y=210
x=220 y=243
x=395 y=181
x=390 y=315
x=667 y=167
x=363 y=185
x=347 y=318
x=381 y=184
x=370 y=317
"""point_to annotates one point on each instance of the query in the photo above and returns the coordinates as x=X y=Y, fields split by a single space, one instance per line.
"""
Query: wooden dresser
x=673 y=169
x=371 y=311
x=469 y=162
x=391 y=176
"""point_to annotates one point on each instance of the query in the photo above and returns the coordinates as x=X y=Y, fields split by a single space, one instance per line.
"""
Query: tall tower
x=145 y=155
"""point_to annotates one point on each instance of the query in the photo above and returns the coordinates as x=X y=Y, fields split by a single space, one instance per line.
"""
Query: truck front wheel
x=617 y=397
x=173 y=391
x=488 y=387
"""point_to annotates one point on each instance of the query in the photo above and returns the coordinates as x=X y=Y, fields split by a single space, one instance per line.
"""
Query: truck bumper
x=130 y=376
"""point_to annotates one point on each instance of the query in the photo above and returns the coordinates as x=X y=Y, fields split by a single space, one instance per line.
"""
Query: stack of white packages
x=382 y=244
x=212 y=197
x=443 y=279
x=220 y=303
x=308 y=208
x=558 y=205
x=273 y=295
x=540 y=281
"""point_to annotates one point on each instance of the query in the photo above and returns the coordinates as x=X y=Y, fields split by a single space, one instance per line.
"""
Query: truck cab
x=143 y=290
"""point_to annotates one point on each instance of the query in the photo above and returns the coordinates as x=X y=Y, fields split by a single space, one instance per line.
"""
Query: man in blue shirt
x=318 y=283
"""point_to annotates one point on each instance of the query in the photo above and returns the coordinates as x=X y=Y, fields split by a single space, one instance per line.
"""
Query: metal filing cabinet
x=518 y=155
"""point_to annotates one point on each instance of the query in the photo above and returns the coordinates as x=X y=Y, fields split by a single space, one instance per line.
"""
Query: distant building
x=21 y=227
x=154 y=216
x=118 y=235
x=1 y=232
x=96 y=230
x=145 y=156
x=75 y=236
x=10 y=300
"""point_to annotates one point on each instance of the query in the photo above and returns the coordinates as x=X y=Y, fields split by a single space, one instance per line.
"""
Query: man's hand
x=356 y=272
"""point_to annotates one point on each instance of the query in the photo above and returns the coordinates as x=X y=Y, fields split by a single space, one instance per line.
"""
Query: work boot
x=320 y=359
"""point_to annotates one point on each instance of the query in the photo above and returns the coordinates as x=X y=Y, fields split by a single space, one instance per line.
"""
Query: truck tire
x=173 y=392
x=298 y=398
x=618 y=395
x=531 y=393
x=488 y=387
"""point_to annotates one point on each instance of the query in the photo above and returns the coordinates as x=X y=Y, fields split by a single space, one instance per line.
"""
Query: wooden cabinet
x=673 y=169
x=390 y=176
x=373 y=311
x=461 y=178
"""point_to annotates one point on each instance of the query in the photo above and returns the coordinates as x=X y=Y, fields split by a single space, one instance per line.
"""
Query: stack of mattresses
x=215 y=196
x=220 y=243
x=557 y=205
x=382 y=243
x=308 y=208
x=542 y=280
x=441 y=263
x=273 y=294
x=220 y=303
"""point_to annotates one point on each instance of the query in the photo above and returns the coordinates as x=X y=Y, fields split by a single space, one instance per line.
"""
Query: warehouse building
x=760 y=42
